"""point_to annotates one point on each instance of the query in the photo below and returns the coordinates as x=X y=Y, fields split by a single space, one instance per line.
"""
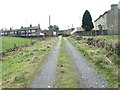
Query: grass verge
x=19 y=67
x=109 y=37
x=101 y=60
x=66 y=77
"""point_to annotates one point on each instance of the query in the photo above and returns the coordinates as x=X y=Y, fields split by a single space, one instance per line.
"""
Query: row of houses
x=33 y=31
x=23 y=31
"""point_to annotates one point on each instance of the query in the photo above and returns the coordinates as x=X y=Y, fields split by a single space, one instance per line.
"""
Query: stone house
x=23 y=31
x=30 y=31
x=109 y=20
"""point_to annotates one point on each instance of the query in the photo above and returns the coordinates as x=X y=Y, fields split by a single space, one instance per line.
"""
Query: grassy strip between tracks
x=66 y=77
x=101 y=60
x=19 y=67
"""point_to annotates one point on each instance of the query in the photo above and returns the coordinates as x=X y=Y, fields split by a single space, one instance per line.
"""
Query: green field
x=20 y=66
x=9 y=42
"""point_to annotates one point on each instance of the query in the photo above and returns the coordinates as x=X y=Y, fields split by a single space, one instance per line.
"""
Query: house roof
x=26 y=28
x=10 y=30
x=101 y=15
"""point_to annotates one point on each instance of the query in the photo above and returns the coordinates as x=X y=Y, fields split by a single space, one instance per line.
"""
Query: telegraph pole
x=49 y=25
x=49 y=20
x=72 y=25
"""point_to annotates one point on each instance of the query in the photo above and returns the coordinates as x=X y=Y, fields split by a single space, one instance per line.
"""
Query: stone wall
x=19 y=48
x=100 y=43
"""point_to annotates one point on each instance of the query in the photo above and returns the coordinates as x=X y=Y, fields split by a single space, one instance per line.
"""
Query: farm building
x=109 y=20
x=30 y=31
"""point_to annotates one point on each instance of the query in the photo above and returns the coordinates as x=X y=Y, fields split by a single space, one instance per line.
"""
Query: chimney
x=10 y=28
x=39 y=26
x=114 y=6
x=21 y=27
x=30 y=25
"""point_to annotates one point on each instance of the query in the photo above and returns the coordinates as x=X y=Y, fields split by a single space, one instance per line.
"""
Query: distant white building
x=77 y=29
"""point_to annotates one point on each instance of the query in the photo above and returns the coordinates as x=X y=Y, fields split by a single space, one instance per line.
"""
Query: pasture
x=10 y=42
x=20 y=66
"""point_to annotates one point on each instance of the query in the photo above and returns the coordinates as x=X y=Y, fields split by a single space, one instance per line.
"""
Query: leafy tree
x=50 y=27
x=87 y=21
x=72 y=29
x=53 y=28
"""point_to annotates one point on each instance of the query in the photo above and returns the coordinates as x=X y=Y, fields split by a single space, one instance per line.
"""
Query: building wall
x=101 y=21
x=96 y=25
x=112 y=21
x=105 y=22
x=119 y=21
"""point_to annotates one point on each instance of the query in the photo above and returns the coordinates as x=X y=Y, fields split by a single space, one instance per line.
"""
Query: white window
x=2 y=33
x=111 y=27
x=5 y=33
x=11 y=32
x=22 y=31
x=27 y=31
x=15 y=32
x=33 y=30
x=33 y=34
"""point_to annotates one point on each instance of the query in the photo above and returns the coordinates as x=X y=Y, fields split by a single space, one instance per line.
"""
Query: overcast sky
x=64 y=13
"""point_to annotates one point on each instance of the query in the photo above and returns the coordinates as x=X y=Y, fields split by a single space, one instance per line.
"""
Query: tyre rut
x=87 y=75
x=45 y=76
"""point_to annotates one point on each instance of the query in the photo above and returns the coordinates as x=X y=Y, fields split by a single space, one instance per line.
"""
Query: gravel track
x=46 y=75
x=88 y=76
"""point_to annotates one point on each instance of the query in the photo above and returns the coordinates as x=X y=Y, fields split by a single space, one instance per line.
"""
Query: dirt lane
x=87 y=76
x=45 y=76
